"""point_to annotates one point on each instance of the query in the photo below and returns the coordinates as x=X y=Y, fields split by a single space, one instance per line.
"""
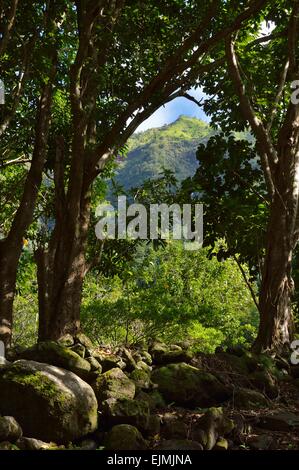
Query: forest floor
x=249 y=433
x=157 y=396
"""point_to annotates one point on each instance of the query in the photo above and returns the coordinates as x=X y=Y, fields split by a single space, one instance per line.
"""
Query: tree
x=255 y=89
x=117 y=76
x=29 y=86
x=229 y=183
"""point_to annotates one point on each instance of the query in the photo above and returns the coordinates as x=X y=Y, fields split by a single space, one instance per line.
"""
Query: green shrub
x=172 y=293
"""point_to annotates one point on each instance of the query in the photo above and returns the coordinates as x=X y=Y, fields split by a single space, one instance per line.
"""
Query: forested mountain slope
x=172 y=147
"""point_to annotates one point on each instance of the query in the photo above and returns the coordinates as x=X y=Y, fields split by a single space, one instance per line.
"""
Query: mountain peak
x=183 y=128
x=185 y=118
x=188 y=121
x=172 y=146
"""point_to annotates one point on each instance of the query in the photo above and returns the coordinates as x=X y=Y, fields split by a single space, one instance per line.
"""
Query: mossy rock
x=265 y=382
x=237 y=363
x=252 y=361
x=267 y=362
x=108 y=361
x=153 y=426
x=153 y=397
x=53 y=353
x=82 y=339
x=141 y=378
x=8 y=446
x=157 y=349
x=174 y=428
x=249 y=362
x=247 y=399
x=10 y=430
x=163 y=354
x=128 y=359
x=144 y=366
x=175 y=347
x=261 y=362
x=79 y=349
x=94 y=364
x=188 y=386
x=49 y=403
x=173 y=356
x=124 y=437
x=28 y=443
x=126 y=411
x=67 y=340
x=221 y=444
x=146 y=357
x=211 y=426
x=113 y=384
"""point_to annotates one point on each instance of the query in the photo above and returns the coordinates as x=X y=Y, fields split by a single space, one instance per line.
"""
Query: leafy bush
x=168 y=292
x=172 y=293
x=25 y=303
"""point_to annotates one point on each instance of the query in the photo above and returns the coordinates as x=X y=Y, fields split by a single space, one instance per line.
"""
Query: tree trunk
x=275 y=329
x=42 y=264
x=11 y=246
x=279 y=152
x=9 y=257
x=61 y=272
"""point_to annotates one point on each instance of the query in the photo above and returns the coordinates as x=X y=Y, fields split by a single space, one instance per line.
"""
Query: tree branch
x=18 y=89
x=247 y=282
x=268 y=151
x=279 y=94
x=267 y=38
x=293 y=37
x=16 y=161
x=193 y=99
x=175 y=66
x=9 y=26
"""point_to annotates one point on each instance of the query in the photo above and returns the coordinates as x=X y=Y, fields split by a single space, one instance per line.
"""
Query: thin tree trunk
x=11 y=246
x=42 y=264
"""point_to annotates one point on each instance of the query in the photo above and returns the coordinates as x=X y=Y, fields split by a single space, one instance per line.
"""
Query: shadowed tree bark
x=278 y=146
x=11 y=246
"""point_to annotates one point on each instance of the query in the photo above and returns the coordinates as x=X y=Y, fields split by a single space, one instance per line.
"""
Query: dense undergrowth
x=168 y=292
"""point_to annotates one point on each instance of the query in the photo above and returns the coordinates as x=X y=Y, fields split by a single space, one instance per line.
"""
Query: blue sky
x=171 y=111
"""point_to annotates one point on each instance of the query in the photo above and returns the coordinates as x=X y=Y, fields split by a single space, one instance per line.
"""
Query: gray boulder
x=49 y=403
x=108 y=361
x=28 y=443
x=126 y=411
x=247 y=399
x=113 y=384
x=280 y=421
x=54 y=353
x=10 y=430
x=125 y=437
x=188 y=386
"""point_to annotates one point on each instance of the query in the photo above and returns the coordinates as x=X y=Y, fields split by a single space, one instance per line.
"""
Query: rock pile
x=71 y=394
